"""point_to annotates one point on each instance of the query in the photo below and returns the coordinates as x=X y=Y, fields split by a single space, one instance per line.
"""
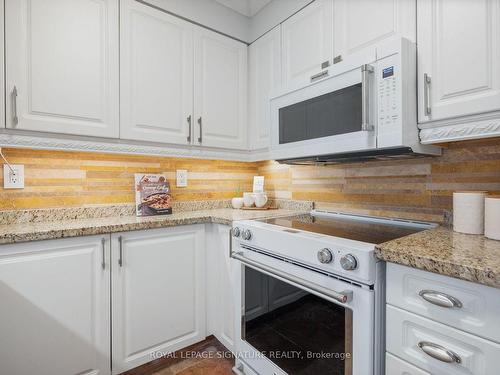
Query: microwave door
x=330 y=116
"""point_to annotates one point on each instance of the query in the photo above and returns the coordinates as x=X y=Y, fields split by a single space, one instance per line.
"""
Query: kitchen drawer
x=406 y=330
x=480 y=305
x=396 y=366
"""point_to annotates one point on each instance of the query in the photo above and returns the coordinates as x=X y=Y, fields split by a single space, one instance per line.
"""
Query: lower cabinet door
x=396 y=366
x=158 y=297
x=54 y=307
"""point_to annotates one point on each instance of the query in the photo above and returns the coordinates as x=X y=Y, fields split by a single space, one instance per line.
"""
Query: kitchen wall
x=415 y=189
x=418 y=188
x=69 y=179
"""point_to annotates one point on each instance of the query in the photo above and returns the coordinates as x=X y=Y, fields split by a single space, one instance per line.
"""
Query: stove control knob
x=349 y=262
x=246 y=235
x=325 y=256
x=236 y=232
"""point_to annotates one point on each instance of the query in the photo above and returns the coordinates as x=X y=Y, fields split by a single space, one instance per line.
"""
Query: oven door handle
x=342 y=297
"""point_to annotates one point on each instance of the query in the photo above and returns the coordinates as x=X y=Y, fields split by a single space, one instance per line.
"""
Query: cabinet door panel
x=459 y=48
x=264 y=77
x=62 y=58
x=363 y=23
x=307 y=42
x=220 y=91
x=2 y=67
x=156 y=75
x=158 y=293
x=55 y=306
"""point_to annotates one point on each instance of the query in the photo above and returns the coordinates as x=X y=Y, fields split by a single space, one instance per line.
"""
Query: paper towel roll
x=492 y=217
x=468 y=212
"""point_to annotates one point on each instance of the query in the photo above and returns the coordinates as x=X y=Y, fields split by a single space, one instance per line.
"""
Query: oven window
x=298 y=331
x=335 y=113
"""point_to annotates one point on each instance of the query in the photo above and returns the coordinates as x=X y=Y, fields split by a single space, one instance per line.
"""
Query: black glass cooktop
x=356 y=228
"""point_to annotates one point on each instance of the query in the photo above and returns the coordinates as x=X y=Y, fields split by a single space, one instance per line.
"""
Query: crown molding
x=86 y=144
x=473 y=127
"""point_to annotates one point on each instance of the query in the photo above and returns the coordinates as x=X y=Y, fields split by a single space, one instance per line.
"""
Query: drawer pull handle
x=439 y=352
x=440 y=299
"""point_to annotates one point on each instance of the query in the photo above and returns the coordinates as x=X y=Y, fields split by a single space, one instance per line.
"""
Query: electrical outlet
x=182 y=178
x=13 y=180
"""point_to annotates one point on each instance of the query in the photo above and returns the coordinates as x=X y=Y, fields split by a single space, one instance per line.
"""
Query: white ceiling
x=246 y=7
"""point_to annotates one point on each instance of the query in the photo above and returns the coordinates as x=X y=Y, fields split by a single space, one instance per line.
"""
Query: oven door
x=335 y=114
x=290 y=320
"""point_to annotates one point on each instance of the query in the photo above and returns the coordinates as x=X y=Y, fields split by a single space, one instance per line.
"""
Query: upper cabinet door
x=362 y=24
x=220 y=84
x=62 y=66
x=458 y=58
x=264 y=77
x=2 y=60
x=156 y=75
x=307 y=42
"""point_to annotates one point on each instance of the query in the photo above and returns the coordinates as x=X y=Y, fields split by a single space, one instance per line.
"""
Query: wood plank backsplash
x=416 y=189
x=419 y=189
x=69 y=179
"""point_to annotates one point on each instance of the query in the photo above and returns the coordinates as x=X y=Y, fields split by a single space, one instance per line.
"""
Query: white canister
x=492 y=217
x=468 y=212
x=237 y=202
x=248 y=199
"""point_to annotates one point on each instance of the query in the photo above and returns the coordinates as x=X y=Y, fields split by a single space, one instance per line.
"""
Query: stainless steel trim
x=325 y=64
x=103 y=248
x=337 y=59
x=342 y=297
x=440 y=299
x=439 y=352
x=120 y=259
x=320 y=75
x=427 y=93
x=365 y=98
x=201 y=130
x=15 y=119
x=189 y=124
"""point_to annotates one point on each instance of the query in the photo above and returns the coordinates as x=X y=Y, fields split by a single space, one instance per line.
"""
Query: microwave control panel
x=388 y=111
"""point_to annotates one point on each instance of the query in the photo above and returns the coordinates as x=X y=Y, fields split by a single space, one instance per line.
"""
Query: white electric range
x=310 y=293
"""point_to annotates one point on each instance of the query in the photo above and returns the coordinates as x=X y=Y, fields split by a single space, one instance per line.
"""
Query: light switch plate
x=182 y=178
x=13 y=180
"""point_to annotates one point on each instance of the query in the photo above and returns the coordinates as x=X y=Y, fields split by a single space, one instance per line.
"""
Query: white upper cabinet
x=62 y=66
x=220 y=91
x=55 y=298
x=264 y=77
x=307 y=42
x=2 y=59
x=156 y=75
x=361 y=24
x=459 y=54
x=158 y=293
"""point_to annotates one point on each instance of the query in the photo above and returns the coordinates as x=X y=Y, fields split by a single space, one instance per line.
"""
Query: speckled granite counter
x=464 y=256
x=43 y=230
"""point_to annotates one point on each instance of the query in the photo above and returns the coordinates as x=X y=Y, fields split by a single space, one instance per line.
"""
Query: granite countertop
x=469 y=257
x=43 y=230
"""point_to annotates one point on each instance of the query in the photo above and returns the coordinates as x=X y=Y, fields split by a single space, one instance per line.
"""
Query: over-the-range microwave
x=360 y=108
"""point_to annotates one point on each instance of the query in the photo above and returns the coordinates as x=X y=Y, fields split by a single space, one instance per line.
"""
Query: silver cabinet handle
x=189 y=124
x=365 y=98
x=120 y=259
x=201 y=130
x=440 y=299
x=427 y=93
x=320 y=75
x=103 y=248
x=439 y=352
x=342 y=297
x=15 y=119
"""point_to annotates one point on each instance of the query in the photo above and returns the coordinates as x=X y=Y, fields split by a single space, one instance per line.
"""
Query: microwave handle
x=366 y=70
